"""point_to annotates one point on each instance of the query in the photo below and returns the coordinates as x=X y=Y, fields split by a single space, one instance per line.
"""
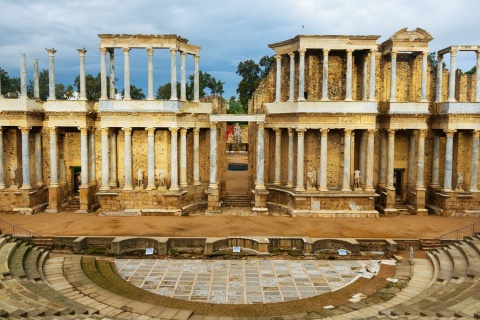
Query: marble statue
x=237 y=134
x=459 y=181
x=140 y=178
x=162 y=178
x=356 y=179
x=311 y=178
x=13 y=175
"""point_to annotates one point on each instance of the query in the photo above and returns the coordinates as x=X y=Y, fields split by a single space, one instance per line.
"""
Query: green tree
x=206 y=81
x=135 y=93
x=164 y=91
x=93 y=86
x=10 y=86
x=234 y=106
x=472 y=71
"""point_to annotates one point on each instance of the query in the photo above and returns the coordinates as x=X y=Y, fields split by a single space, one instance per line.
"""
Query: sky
x=228 y=31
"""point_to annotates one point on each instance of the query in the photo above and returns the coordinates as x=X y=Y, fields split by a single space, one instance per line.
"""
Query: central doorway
x=236 y=158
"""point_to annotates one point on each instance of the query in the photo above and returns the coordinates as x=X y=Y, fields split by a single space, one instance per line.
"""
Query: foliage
x=135 y=93
x=10 y=86
x=472 y=71
x=164 y=91
x=234 y=106
x=432 y=58
x=205 y=81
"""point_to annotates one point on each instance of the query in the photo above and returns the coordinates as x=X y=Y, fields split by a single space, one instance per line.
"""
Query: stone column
x=183 y=157
x=260 y=182
x=364 y=78
x=23 y=75
x=451 y=76
x=421 y=157
x=84 y=156
x=301 y=75
x=411 y=160
x=477 y=79
x=348 y=95
x=423 y=91
x=25 y=158
x=278 y=79
x=103 y=74
x=150 y=76
x=112 y=73
x=38 y=160
x=391 y=158
x=128 y=159
x=292 y=77
x=51 y=74
x=393 y=77
x=474 y=162
x=53 y=158
x=105 y=162
x=173 y=74
x=370 y=156
x=196 y=156
x=372 y=75
x=36 y=81
x=322 y=181
x=91 y=150
x=436 y=162
x=290 y=159
x=196 y=81
x=300 y=159
x=278 y=160
x=438 y=96
x=447 y=181
x=183 y=77
x=383 y=159
x=2 y=162
x=151 y=158
x=362 y=157
x=213 y=156
x=113 y=159
x=83 y=94
x=174 y=159
x=325 y=75
x=346 y=160
x=126 y=73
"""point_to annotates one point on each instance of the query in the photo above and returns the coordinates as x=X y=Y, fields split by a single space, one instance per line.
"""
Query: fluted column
x=436 y=161
x=91 y=151
x=325 y=75
x=474 y=162
x=151 y=158
x=173 y=74
x=447 y=180
x=38 y=160
x=126 y=73
x=364 y=78
x=421 y=157
x=322 y=184
x=128 y=159
x=451 y=76
x=196 y=156
x=196 y=81
x=292 y=77
x=84 y=156
x=278 y=79
x=393 y=77
x=213 y=156
x=113 y=159
x=411 y=160
x=105 y=160
x=278 y=163
x=346 y=160
x=260 y=181
x=2 y=162
x=301 y=75
x=300 y=159
x=150 y=74
x=383 y=159
x=112 y=72
x=362 y=157
x=290 y=159
x=348 y=95
x=438 y=95
x=53 y=158
x=370 y=156
x=371 y=96
x=83 y=94
x=25 y=158
x=391 y=158
x=183 y=77
x=36 y=81
x=51 y=74
x=23 y=76
x=423 y=90
x=183 y=157
x=103 y=74
x=174 y=159
x=477 y=78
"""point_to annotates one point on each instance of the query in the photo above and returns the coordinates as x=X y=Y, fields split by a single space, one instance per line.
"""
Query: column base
x=473 y=190
x=173 y=99
x=300 y=189
x=38 y=184
x=174 y=189
x=346 y=190
x=369 y=189
x=322 y=188
x=183 y=185
x=289 y=185
x=2 y=186
x=104 y=188
x=128 y=188
x=196 y=183
x=301 y=99
x=26 y=187
x=150 y=188
x=276 y=183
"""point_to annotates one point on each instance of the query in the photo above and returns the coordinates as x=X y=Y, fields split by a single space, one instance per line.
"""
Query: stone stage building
x=343 y=126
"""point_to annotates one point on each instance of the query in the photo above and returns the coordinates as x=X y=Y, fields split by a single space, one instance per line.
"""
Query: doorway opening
x=76 y=171
x=236 y=158
x=398 y=175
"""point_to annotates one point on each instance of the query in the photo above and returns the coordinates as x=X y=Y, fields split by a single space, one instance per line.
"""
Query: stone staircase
x=73 y=204
x=401 y=207
x=236 y=201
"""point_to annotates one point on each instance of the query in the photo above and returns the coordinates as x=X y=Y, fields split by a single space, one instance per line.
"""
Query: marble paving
x=242 y=281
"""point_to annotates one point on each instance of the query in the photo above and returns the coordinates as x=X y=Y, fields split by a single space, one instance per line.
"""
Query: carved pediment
x=415 y=35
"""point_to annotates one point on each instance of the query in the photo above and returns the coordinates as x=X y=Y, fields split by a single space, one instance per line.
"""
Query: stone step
x=472 y=256
x=445 y=264
x=460 y=264
x=30 y=264
x=15 y=263
x=430 y=244
x=6 y=252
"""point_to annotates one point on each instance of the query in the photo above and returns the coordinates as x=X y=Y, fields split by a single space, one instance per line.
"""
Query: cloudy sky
x=229 y=31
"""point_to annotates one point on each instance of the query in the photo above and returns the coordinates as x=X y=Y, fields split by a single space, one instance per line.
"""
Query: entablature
x=334 y=107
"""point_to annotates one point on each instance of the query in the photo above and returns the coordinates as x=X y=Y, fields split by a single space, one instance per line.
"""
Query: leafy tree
x=472 y=71
x=135 y=93
x=234 y=106
x=164 y=92
x=205 y=81
x=432 y=58
x=10 y=86
x=93 y=86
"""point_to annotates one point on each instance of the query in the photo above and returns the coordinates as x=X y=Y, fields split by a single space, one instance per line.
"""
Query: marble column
x=150 y=74
x=213 y=184
x=174 y=159
x=436 y=162
x=325 y=75
x=151 y=158
x=474 y=162
x=372 y=75
x=23 y=76
x=91 y=151
x=346 y=160
x=423 y=90
x=393 y=77
x=278 y=79
x=438 y=91
x=348 y=95
x=290 y=159
x=25 y=158
x=196 y=81
x=362 y=157
x=128 y=159
x=301 y=75
x=2 y=162
x=113 y=159
x=183 y=157
x=292 y=77
x=421 y=158
x=322 y=181
x=105 y=160
x=364 y=78
x=451 y=75
x=383 y=159
x=370 y=156
x=196 y=156
x=126 y=74
x=278 y=152
x=36 y=81
x=83 y=92
x=84 y=156
x=300 y=159
x=477 y=79
x=53 y=158
x=183 y=77
x=391 y=158
x=38 y=160
x=260 y=181
x=51 y=74
x=173 y=74
x=103 y=74
x=411 y=160
x=447 y=180
x=112 y=73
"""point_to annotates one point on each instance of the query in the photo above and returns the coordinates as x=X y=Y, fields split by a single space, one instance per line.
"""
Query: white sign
x=148 y=251
x=342 y=252
x=236 y=249
x=411 y=255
